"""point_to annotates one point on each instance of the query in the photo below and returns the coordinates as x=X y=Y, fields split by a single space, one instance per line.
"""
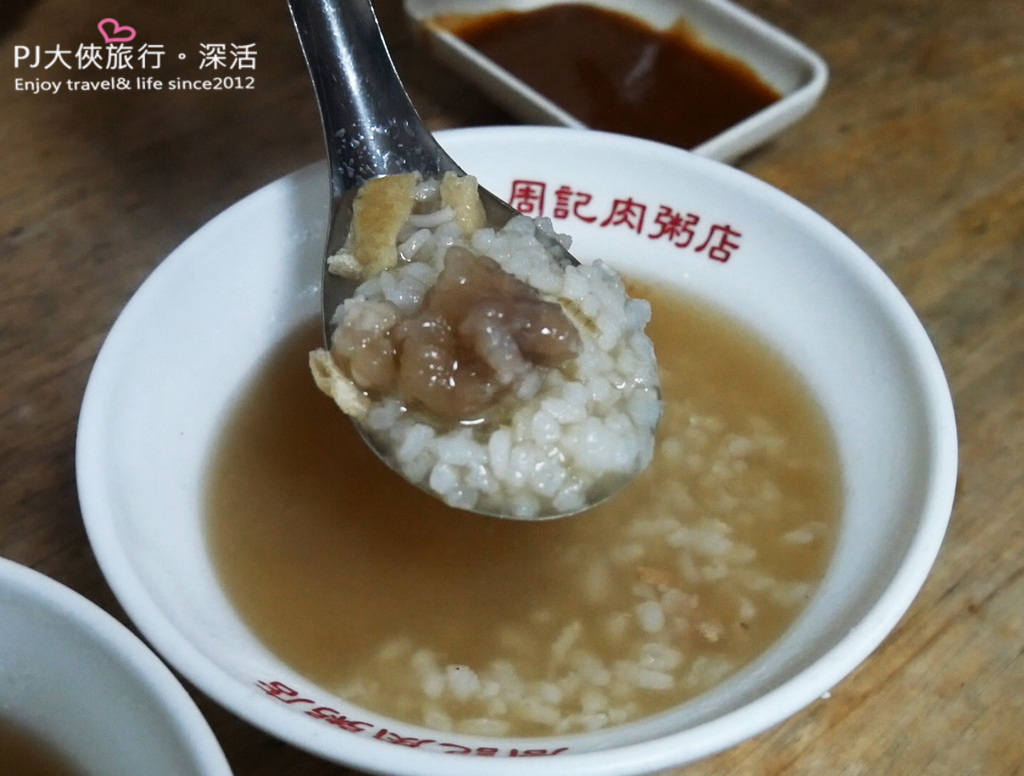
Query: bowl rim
x=666 y=751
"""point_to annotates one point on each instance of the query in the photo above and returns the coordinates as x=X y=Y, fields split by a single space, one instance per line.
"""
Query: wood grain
x=916 y=151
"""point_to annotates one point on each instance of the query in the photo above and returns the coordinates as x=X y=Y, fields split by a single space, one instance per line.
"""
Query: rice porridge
x=434 y=615
x=485 y=367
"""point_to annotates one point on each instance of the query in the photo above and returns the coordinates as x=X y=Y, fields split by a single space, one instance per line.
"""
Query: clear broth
x=330 y=557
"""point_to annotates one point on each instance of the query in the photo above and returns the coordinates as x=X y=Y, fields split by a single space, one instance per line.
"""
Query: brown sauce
x=22 y=754
x=616 y=73
x=330 y=557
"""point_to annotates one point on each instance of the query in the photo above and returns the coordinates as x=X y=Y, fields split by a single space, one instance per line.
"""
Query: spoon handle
x=370 y=125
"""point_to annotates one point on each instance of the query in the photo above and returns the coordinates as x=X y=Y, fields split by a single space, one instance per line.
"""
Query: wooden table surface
x=916 y=151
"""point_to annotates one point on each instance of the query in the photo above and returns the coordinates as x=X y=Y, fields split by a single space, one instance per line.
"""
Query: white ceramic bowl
x=796 y=72
x=74 y=678
x=196 y=330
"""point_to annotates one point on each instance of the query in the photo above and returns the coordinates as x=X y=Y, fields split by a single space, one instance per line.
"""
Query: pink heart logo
x=119 y=33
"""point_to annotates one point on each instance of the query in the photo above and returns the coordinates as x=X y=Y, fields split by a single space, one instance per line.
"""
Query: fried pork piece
x=383 y=206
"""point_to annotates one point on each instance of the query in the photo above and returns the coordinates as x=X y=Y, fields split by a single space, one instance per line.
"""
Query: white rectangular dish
x=796 y=72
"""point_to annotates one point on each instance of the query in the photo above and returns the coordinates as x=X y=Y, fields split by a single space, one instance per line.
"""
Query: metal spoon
x=370 y=125
x=371 y=129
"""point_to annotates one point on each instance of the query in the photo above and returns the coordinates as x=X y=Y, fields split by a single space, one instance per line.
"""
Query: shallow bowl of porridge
x=84 y=695
x=798 y=491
